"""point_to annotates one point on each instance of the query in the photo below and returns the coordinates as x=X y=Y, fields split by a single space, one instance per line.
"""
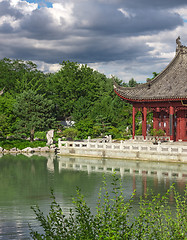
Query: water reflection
x=161 y=169
x=26 y=180
x=160 y=172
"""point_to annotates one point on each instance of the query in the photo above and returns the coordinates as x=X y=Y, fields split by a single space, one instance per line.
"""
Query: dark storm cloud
x=42 y=26
x=167 y=4
x=139 y=23
x=90 y=52
x=7 y=10
x=39 y=25
x=6 y=28
x=136 y=4
x=101 y=20
x=85 y=31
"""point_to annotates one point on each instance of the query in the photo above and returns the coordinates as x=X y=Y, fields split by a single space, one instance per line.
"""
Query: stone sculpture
x=50 y=135
x=2 y=91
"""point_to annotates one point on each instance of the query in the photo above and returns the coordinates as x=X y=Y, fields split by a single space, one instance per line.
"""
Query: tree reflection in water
x=27 y=180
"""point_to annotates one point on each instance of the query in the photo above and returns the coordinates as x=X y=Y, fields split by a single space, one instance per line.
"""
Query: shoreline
x=51 y=149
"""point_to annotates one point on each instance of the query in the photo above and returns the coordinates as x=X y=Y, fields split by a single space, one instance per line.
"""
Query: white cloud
x=9 y=20
x=126 y=13
x=45 y=67
x=63 y=12
x=182 y=11
x=23 y=6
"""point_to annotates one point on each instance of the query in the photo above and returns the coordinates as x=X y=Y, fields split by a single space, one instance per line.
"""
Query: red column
x=144 y=122
x=171 y=122
x=155 y=120
x=133 y=121
x=181 y=125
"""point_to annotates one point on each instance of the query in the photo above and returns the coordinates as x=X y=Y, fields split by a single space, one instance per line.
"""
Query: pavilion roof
x=170 y=84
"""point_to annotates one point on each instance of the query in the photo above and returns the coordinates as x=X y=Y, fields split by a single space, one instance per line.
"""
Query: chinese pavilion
x=165 y=96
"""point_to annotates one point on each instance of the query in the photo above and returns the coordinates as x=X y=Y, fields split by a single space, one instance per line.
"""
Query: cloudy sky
x=125 y=38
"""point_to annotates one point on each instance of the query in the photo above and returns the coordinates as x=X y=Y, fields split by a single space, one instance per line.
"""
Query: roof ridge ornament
x=180 y=47
x=178 y=42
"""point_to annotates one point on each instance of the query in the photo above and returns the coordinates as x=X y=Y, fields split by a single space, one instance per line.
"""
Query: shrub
x=40 y=135
x=70 y=133
x=115 y=219
x=85 y=128
x=158 y=133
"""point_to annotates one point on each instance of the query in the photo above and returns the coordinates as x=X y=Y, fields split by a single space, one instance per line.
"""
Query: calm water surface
x=27 y=180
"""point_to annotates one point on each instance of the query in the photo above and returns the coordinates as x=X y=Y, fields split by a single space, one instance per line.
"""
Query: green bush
x=40 y=135
x=114 y=218
x=85 y=128
x=70 y=133
x=158 y=133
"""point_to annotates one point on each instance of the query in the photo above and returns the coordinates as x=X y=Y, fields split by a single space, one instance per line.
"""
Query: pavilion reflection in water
x=159 y=171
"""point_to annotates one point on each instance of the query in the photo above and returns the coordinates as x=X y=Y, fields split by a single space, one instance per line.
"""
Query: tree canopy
x=34 y=99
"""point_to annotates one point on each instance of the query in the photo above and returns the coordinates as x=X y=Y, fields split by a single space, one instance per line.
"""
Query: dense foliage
x=114 y=218
x=76 y=92
x=34 y=112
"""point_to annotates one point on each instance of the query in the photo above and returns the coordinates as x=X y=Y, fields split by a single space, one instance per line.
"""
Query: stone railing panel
x=123 y=147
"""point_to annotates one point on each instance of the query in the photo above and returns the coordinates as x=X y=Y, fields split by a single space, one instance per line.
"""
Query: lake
x=27 y=180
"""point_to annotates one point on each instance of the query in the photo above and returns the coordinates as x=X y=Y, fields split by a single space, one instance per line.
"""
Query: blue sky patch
x=41 y=3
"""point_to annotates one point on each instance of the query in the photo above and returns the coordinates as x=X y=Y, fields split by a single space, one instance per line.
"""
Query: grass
x=20 y=143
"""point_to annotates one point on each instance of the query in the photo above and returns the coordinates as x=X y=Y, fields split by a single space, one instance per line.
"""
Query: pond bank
x=15 y=150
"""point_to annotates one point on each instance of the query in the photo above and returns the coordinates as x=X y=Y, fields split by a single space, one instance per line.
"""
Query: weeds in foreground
x=114 y=218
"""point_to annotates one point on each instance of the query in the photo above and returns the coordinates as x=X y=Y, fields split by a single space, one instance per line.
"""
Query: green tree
x=85 y=128
x=103 y=126
x=34 y=112
x=81 y=109
x=154 y=75
x=72 y=86
x=119 y=81
x=77 y=92
x=7 y=116
x=132 y=83
x=18 y=75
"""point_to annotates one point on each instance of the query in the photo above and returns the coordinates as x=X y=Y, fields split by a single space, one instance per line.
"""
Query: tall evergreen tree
x=34 y=112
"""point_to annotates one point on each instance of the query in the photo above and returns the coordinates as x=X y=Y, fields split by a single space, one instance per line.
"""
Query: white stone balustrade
x=128 y=150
